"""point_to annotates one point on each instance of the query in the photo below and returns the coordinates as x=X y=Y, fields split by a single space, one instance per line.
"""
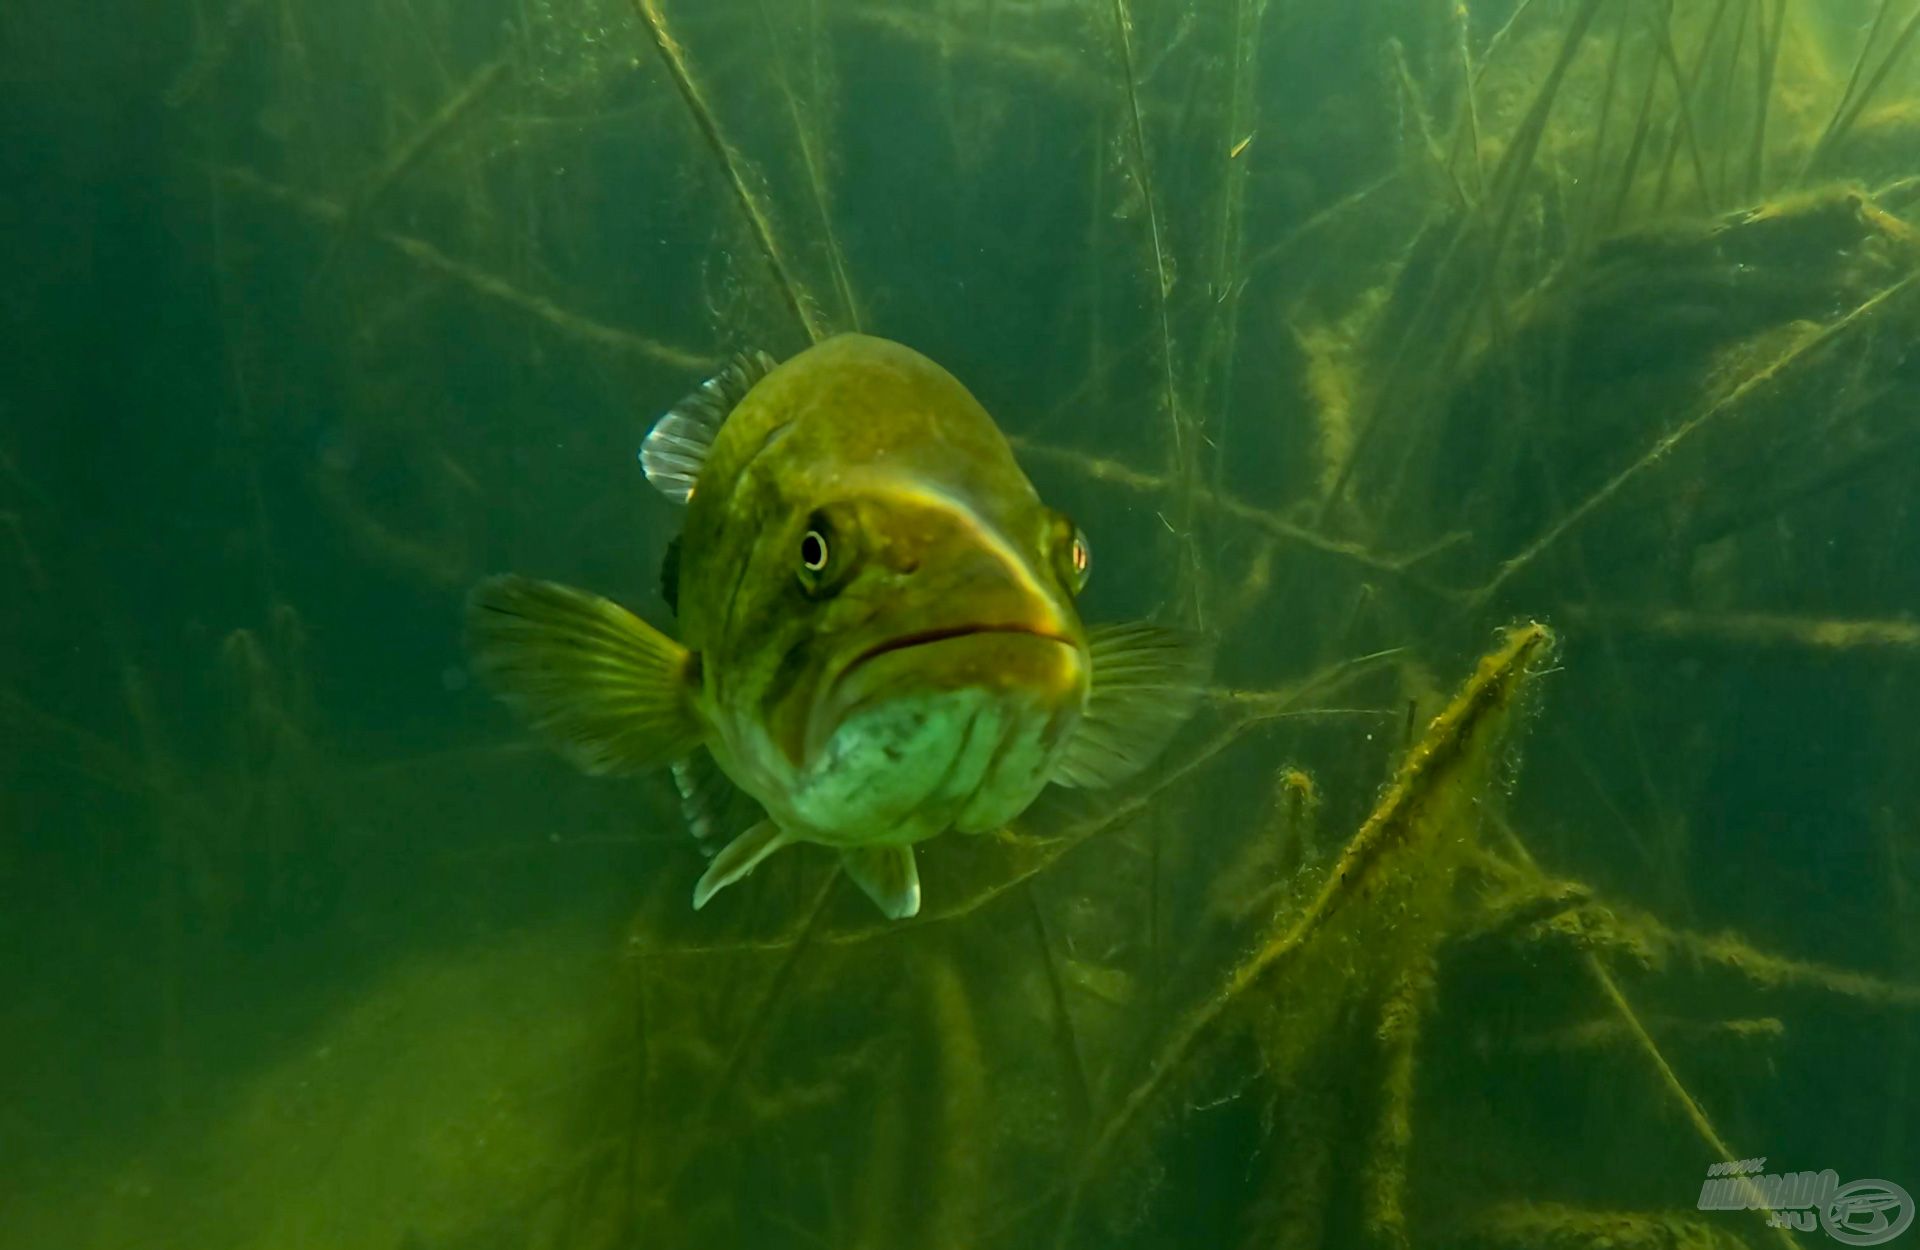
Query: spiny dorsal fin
x=676 y=448
x=1146 y=681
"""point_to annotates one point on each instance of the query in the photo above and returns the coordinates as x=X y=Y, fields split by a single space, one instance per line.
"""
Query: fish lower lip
x=924 y=637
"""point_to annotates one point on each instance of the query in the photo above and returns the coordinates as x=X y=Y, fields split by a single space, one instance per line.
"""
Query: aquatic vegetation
x=1521 y=393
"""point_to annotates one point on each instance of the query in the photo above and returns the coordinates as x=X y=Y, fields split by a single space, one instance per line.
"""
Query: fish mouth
x=926 y=637
x=897 y=699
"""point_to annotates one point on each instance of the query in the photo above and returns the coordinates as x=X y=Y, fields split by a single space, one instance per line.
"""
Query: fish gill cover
x=1520 y=393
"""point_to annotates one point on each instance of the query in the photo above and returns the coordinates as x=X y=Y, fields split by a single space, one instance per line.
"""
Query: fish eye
x=813 y=551
x=1072 y=556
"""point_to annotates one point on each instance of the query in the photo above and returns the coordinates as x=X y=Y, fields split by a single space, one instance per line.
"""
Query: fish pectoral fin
x=1145 y=682
x=609 y=690
x=888 y=875
x=675 y=450
x=737 y=859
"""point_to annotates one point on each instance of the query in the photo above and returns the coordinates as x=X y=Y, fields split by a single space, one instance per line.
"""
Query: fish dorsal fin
x=715 y=808
x=676 y=448
x=888 y=876
x=1146 y=681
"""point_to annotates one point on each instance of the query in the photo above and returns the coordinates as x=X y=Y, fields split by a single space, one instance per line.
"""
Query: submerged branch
x=408 y=155
x=571 y=324
x=1454 y=740
x=798 y=302
x=1102 y=469
x=1801 y=351
x=1760 y=629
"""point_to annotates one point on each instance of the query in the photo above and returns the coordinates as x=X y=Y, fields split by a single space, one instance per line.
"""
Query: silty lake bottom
x=1524 y=398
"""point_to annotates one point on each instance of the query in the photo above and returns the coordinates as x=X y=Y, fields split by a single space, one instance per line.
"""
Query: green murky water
x=1360 y=337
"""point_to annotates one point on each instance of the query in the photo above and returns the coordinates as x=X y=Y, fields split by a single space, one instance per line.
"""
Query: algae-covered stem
x=1186 y=460
x=1663 y=446
x=1507 y=183
x=1669 y=1080
x=676 y=63
x=1387 y=832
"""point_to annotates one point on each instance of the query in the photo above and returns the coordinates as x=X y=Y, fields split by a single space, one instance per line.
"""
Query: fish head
x=949 y=663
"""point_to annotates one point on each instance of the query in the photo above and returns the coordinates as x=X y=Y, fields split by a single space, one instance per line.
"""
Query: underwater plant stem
x=1837 y=135
x=216 y=46
x=1462 y=18
x=1227 y=284
x=1672 y=439
x=1762 y=629
x=431 y=258
x=1500 y=36
x=1325 y=217
x=1412 y=103
x=1090 y=390
x=1846 y=97
x=1113 y=471
x=672 y=56
x=1094 y=385
x=1589 y=218
x=948 y=39
x=1185 y=456
x=1401 y=1017
x=1763 y=93
x=816 y=175
x=769 y=1001
x=1066 y=1038
x=1643 y=1040
x=1509 y=177
x=1723 y=121
x=1388 y=831
x=1637 y=146
x=1604 y=923
x=1684 y=82
x=960 y=1076
x=407 y=156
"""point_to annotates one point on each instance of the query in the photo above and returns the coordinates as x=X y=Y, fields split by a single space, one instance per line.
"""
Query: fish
x=877 y=636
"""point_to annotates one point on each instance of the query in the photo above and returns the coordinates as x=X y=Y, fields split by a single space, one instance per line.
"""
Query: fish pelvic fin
x=714 y=806
x=612 y=693
x=889 y=876
x=1146 y=681
x=675 y=450
x=737 y=859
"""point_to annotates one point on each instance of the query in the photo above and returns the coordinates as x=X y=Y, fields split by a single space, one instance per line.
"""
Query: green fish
x=878 y=641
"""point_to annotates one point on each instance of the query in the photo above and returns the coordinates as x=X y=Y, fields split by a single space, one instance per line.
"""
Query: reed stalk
x=799 y=304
